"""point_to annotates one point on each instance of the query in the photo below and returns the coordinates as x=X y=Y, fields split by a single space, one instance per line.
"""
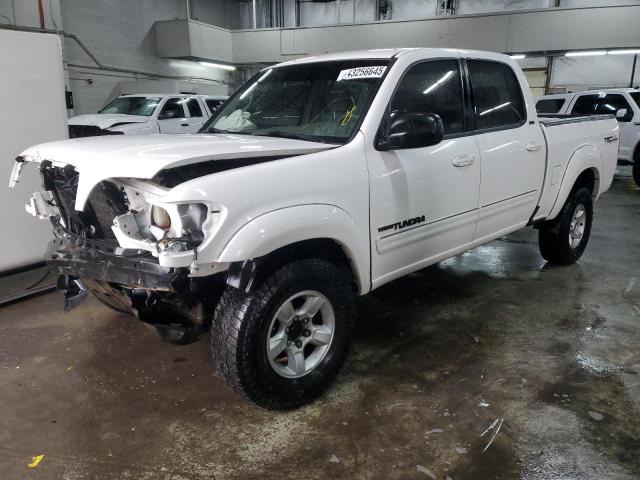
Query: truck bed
x=553 y=119
x=567 y=134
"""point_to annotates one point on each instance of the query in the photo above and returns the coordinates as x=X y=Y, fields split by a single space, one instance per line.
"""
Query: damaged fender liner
x=70 y=254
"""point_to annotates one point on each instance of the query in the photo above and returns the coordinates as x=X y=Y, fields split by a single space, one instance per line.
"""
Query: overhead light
x=624 y=52
x=231 y=68
x=519 y=56
x=586 y=53
x=444 y=78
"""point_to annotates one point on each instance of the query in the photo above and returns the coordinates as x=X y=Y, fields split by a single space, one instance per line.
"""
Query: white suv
x=147 y=113
x=624 y=103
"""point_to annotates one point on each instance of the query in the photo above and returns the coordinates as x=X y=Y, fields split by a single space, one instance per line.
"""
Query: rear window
x=600 y=104
x=496 y=94
x=214 y=104
x=550 y=105
x=194 y=108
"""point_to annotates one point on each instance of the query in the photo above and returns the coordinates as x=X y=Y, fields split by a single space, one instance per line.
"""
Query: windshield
x=321 y=102
x=144 y=106
x=636 y=97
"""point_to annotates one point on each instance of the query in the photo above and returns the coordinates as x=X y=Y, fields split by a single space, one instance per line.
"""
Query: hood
x=106 y=120
x=143 y=156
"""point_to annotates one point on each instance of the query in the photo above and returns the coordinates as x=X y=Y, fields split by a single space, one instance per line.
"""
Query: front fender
x=585 y=158
x=286 y=226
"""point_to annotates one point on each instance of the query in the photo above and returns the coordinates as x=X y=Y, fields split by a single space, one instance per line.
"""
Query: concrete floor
x=492 y=337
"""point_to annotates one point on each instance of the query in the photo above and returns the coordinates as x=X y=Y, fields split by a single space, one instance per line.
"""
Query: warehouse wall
x=121 y=34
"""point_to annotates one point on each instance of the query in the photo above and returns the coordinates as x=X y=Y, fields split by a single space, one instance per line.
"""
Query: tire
x=244 y=322
x=555 y=238
x=636 y=169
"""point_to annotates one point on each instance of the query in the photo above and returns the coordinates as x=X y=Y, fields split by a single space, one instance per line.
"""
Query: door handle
x=184 y=124
x=463 y=161
x=533 y=146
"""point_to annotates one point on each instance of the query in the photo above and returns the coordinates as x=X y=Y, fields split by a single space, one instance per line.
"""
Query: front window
x=636 y=97
x=144 y=106
x=322 y=102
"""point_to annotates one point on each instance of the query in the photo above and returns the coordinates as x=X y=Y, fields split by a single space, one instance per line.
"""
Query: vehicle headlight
x=160 y=217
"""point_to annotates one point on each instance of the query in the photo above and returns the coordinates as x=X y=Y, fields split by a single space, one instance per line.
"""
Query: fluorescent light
x=444 y=78
x=624 y=52
x=586 y=53
x=519 y=56
x=231 y=68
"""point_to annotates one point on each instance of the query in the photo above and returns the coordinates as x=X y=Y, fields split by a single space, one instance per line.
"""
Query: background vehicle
x=320 y=179
x=624 y=103
x=146 y=114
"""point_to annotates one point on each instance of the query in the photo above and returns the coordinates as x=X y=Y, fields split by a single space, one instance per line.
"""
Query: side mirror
x=622 y=114
x=169 y=114
x=412 y=130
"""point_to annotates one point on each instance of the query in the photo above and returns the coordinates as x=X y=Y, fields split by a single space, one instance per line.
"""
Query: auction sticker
x=362 y=72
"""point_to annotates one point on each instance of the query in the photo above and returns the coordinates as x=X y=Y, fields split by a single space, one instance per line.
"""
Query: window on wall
x=432 y=87
x=496 y=94
x=602 y=104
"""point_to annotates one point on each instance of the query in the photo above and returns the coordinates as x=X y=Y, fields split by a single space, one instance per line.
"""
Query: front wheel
x=563 y=240
x=636 y=169
x=280 y=345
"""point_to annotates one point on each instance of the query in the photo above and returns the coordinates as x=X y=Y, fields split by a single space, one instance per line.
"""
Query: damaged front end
x=135 y=253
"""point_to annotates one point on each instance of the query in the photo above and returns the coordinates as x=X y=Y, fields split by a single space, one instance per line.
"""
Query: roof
x=387 y=53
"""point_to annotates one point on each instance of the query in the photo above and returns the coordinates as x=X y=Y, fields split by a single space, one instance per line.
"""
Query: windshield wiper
x=295 y=136
x=219 y=130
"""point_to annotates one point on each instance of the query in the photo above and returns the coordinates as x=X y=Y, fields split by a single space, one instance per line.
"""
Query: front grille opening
x=105 y=202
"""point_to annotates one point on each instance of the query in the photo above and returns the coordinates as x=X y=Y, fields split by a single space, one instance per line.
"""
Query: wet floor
x=490 y=365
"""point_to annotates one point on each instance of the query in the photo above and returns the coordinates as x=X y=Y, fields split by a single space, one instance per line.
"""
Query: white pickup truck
x=624 y=103
x=319 y=180
x=146 y=114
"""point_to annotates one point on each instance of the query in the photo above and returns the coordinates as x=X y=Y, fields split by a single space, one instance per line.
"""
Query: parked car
x=319 y=180
x=146 y=114
x=624 y=103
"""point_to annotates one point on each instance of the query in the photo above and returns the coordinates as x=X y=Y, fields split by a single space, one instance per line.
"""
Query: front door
x=196 y=115
x=172 y=117
x=512 y=150
x=424 y=201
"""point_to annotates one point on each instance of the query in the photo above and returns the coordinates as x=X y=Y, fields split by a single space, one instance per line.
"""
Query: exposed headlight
x=160 y=217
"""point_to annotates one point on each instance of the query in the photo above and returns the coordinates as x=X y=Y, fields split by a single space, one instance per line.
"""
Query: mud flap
x=74 y=291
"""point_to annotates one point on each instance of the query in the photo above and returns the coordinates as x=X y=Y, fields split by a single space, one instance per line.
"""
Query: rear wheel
x=282 y=344
x=636 y=168
x=563 y=240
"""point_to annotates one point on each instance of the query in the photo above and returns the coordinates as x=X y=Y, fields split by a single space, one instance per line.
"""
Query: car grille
x=105 y=203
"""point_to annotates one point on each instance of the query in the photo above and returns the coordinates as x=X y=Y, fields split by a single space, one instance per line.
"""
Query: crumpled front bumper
x=76 y=256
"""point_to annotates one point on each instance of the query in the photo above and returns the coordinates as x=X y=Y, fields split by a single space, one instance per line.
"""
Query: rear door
x=424 y=201
x=511 y=146
x=197 y=114
x=214 y=104
x=605 y=103
x=173 y=116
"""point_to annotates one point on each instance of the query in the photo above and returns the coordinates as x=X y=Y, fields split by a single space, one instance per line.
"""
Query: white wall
x=121 y=34
x=39 y=89
x=25 y=13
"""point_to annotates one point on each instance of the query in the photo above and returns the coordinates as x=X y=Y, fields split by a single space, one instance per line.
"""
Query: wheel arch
x=320 y=230
x=583 y=170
